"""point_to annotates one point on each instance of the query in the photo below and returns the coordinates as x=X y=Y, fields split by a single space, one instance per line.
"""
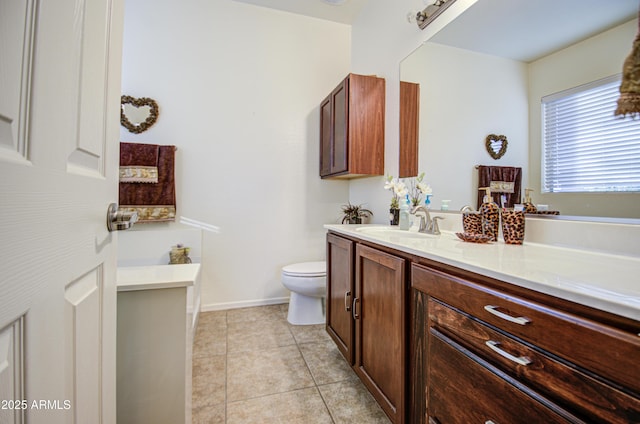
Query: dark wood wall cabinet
x=437 y=344
x=352 y=128
x=409 y=128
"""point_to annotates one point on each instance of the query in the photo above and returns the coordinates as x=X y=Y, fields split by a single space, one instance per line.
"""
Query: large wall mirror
x=486 y=72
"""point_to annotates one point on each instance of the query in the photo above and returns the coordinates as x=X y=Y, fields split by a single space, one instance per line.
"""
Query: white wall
x=590 y=60
x=142 y=245
x=238 y=88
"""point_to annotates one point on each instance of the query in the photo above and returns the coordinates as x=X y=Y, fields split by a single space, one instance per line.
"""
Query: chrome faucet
x=428 y=225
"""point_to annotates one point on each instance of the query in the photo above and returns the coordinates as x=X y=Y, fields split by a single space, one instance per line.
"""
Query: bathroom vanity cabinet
x=352 y=128
x=438 y=343
x=494 y=354
x=366 y=317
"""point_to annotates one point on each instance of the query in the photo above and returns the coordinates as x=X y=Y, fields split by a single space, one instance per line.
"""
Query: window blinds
x=585 y=147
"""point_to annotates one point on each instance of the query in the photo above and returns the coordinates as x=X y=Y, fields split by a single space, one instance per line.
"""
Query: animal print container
x=472 y=222
x=512 y=226
x=490 y=220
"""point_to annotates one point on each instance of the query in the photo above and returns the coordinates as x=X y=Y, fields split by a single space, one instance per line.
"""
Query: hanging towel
x=505 y=180
x=153 y=202
x=138 y=163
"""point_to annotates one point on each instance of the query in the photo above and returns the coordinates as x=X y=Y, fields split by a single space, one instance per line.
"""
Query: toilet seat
x=306 y=269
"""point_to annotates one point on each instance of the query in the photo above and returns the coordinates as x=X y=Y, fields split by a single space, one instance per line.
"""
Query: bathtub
x=158 y=309
x=150 y=277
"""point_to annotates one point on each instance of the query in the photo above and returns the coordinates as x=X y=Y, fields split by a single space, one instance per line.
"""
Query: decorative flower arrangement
x=398 y=191
x=419 y=188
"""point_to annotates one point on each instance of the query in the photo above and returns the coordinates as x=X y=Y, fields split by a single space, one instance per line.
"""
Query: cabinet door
x=334 y=118
x=325 y=136
x=340 y=111
x=340 y=293
x=379 y=312
x=409 y=128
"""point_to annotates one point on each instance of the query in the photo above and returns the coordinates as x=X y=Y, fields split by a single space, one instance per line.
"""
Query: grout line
x=317 y=387
x=298 y=347
x=274 y=394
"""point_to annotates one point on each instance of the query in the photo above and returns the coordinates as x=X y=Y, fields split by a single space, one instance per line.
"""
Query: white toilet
x=307 y=282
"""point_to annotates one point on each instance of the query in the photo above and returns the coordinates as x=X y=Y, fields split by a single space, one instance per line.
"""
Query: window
x=585 y=147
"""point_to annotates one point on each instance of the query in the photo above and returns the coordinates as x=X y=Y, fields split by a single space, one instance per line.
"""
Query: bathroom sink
x=393 y=232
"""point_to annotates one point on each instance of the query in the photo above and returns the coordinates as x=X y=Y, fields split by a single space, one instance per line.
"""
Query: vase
x=472 y=222
x=394 y=216
x=355 y=220
x=512 y=226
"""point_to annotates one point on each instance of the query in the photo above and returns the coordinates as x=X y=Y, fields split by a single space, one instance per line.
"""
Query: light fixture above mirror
x=425 y=16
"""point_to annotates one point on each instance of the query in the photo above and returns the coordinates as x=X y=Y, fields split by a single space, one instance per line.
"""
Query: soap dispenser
x=404 y=214
x=528 y=206
x=490 y=215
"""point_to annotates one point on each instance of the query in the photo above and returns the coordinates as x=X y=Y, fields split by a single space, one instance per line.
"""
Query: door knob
x=119 y=220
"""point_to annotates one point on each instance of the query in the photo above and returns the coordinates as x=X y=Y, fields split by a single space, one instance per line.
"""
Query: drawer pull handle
x=518 y=320
x=521 y=360
x=347 y=304
x=353 y=308
x=489 y=422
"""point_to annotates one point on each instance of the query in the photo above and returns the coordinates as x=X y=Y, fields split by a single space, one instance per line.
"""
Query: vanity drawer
x=605 y=350
x=566 y=385
x=462 y=389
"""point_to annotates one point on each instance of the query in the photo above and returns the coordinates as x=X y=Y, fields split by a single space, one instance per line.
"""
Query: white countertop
x=603 y=281
x=156 y=276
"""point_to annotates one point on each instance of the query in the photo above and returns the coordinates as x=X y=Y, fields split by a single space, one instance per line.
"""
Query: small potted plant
x=353 y=214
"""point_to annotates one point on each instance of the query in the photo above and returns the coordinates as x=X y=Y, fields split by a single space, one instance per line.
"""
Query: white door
x=60 y=65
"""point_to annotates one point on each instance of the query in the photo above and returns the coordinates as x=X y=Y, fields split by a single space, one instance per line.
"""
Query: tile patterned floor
x=251 y=366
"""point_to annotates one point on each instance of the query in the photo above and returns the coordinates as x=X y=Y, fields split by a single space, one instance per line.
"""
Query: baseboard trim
x=243 y=304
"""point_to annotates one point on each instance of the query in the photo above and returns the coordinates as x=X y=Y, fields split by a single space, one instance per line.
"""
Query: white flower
x=401 y=189
x=398 y=188
x=425 y=188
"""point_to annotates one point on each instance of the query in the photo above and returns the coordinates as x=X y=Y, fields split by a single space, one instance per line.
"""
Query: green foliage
x=351 y=213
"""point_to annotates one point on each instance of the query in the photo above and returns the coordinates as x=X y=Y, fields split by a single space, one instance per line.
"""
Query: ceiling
x=344 y=13
x=526 y=30
x=522 y=30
